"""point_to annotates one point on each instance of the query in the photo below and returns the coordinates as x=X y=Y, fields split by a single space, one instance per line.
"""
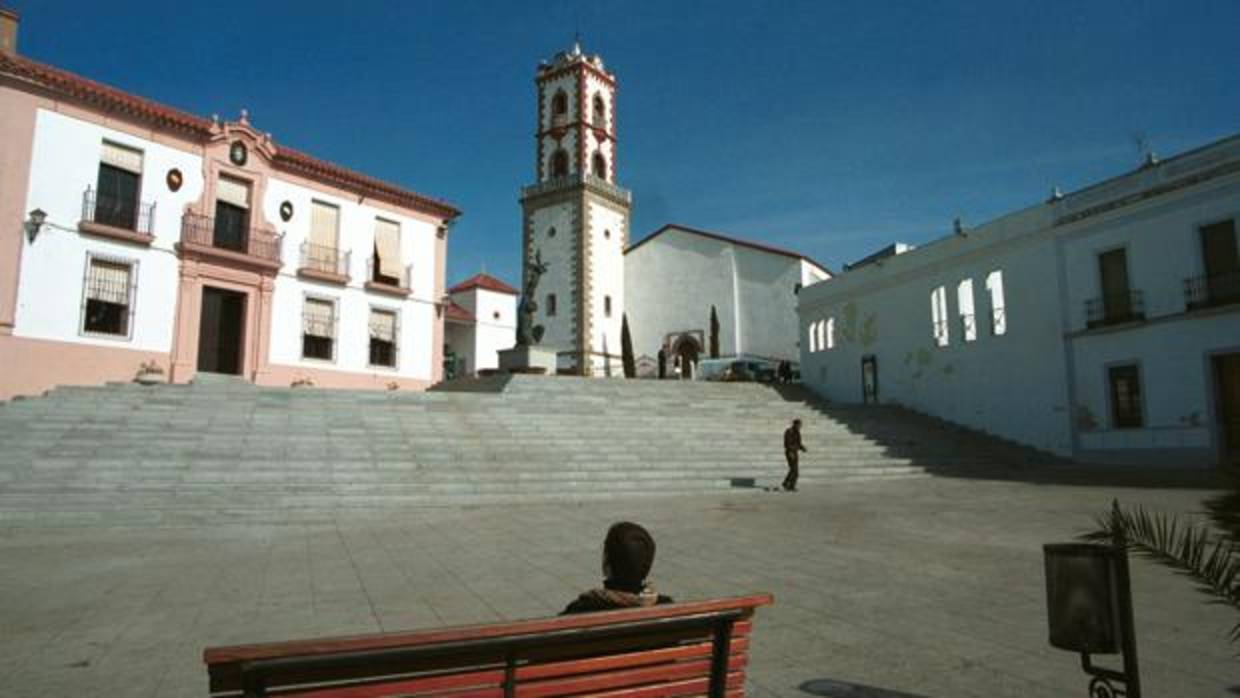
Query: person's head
x=796 y=424
x=628 y=553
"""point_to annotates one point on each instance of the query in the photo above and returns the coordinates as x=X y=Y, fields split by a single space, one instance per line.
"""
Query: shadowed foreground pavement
x=927 y=587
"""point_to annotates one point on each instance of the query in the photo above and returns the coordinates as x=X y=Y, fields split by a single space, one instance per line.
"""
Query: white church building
x=678 y=278
x=1102 y=325
x=133 y=234
x=576 y=221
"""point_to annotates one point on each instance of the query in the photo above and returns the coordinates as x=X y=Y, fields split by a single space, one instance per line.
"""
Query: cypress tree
x=714 y=333
x=626 y=348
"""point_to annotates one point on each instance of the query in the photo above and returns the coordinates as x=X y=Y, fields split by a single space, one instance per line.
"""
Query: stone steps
x=230 y=449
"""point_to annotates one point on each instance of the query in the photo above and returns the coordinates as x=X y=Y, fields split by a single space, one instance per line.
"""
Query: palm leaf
x=1191 y=549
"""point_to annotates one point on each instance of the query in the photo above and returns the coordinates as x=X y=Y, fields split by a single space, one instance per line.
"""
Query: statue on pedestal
x=528 y=333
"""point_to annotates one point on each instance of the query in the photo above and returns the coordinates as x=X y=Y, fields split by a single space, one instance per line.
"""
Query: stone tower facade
x=575 y=215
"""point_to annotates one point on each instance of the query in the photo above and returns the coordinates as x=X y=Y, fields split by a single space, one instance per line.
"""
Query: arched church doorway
x=686 y=352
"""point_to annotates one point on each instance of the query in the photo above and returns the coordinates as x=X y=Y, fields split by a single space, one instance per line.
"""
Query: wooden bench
x=682 y=649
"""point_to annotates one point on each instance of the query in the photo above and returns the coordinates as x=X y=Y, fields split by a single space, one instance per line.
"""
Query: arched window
x=551 y=232
x=559 y=163
x=550 y=304
x=600 y=111
x=600 y=166
x=559 y=104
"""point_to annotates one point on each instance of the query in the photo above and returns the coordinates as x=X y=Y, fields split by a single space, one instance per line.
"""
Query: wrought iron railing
x=117 y=212
x=328 y=260
x=1114 y=308
x=1208 y=291
x=376 y=276
x=568 y=180
x=203 y=231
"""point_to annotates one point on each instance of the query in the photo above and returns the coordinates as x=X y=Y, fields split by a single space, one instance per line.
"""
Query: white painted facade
x=608 y=230
x=490 y=328
x=64 y=164
x=156 y=267
x=677 y=274
x=416 y=313
x=1047 y=380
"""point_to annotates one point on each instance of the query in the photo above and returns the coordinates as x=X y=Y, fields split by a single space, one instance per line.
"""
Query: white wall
x=357 y=226
x=1172 y=349
x=494 y=328
x=607 y=276
x=674 y=279
x=768 y=285
x=1045 y=381
x=64 y=163
x=1012 y=385
x=559 y=253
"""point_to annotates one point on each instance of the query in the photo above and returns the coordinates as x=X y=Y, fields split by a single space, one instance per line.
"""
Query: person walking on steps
x=792 y=451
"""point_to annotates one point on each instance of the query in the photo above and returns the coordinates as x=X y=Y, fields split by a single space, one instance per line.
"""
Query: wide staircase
x=224 y=450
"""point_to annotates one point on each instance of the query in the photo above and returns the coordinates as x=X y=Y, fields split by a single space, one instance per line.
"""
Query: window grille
x=107 y=306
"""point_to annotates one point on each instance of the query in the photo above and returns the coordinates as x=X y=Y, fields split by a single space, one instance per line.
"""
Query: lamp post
x=1089 y=608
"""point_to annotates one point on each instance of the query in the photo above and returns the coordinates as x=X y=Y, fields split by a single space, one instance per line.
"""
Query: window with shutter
x=107 y=293
x=387 y=267
x=382 y=338
x=318 y=330
x=117 y=186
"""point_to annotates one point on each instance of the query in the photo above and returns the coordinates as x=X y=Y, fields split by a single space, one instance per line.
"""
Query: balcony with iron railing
x=124 y=219
x=324 y=263
x=1114 y=309
x=216 y=239
x=377 y=281
x=1202 y=292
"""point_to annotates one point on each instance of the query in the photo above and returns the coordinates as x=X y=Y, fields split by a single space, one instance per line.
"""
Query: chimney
x=8 y=30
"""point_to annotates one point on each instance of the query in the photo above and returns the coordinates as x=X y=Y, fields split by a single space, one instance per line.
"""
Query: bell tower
x=576 y=216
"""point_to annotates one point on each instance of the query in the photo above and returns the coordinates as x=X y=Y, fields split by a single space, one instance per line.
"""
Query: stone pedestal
x=528 y=359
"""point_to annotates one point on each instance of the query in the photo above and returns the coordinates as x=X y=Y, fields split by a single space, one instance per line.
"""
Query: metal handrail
x=254 y=673
x=1211 y=290
x=197 y=229
x=1115 y=308
x=325 y=259
x=111 y=211
x=373 y=275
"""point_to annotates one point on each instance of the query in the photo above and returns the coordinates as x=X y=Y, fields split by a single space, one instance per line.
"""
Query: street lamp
x=37 y=218
x=1089 y=609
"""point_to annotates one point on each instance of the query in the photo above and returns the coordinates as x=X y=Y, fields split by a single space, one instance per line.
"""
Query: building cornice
x=100 y=97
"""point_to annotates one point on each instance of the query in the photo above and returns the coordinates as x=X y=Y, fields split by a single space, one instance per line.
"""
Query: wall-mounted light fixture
x=37 y=218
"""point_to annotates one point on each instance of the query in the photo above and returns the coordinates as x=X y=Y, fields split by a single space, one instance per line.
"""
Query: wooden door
x=220 y=331
x=1227 y=387
x=869 y=378
x=1113 y=273
x=1221 y=261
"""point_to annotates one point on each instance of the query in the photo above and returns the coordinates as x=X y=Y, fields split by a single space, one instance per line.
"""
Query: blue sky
x=830 y=128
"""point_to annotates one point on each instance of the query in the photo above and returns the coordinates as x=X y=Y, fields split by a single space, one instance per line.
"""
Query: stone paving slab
x=928 y=588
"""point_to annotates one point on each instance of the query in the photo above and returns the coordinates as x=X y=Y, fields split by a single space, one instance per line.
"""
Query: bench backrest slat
x=612 y=652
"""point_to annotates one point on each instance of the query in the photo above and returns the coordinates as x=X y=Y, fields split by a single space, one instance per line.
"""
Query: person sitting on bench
x=628 y=553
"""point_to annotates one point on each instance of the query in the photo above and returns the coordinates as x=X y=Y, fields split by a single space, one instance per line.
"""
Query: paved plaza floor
x=928 y=587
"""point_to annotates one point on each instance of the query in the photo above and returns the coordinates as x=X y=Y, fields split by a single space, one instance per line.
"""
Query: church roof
x=109 y=99
x=456 y=313
x=486 y=282
x=729 y=239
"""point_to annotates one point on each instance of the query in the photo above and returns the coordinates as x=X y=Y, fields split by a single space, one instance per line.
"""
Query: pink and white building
x=133 y=233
